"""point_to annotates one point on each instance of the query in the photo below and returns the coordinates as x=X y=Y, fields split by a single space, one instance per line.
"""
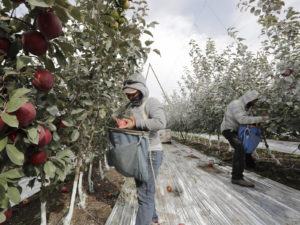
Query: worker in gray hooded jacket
x=148 y=115
x=236 y=114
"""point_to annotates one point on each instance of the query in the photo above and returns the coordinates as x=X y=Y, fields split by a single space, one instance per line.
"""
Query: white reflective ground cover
x=274 y=145
x=203 y=195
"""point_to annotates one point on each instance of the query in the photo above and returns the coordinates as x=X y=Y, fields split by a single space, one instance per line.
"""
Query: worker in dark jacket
x=148 y=115
x=236 y=114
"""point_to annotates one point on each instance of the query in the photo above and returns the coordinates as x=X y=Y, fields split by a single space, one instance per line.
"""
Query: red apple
x=47 y=138
x=43 y=81
x=210 y=165
x=61 y=124
x=7 y=214
x=34 y=42
x=287 y=73
x=64 y=190
x=25 y=114
x=4 y=45
x=13 y=136
x=2 y=124
x=18 y=1
x=25 y=201
x=49 y=24
x=169 y=188
x=41 y=133
x=121 y=123
x=38 y=158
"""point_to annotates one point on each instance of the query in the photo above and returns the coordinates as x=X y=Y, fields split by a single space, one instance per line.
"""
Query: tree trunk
x=91 y=183
x=106 y=166
x=43 y=213
x=100 y=170
x=67 y=220
x=82 y=195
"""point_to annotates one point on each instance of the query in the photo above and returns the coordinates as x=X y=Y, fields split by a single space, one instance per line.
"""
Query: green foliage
x=89 y=62
x=218 y=78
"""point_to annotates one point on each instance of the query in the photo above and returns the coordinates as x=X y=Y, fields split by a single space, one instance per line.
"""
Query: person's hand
x=265 y=118
x=130 y=124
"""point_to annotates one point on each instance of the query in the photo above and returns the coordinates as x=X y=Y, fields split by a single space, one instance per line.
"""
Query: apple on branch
x=34 y=42
x=25 y=114
x=38 y=158
x=4 y=45
x=43 y=80
x=49 y=24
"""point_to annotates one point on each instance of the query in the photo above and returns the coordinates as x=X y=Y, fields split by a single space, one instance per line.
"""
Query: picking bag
x=129 y=152
x=250 y=137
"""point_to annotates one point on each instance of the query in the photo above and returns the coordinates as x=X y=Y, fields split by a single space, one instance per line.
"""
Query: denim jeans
x=239 y=154
x=146 y=192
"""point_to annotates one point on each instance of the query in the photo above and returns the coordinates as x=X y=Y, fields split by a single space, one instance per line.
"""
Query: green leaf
x=64 y=153
x=61 y=59
x=48 y=63
x=82 y=117
x=3 y=143
x=53 y=110
x=14 y=195
x=55 y=136
x=148 y=32
x=15 y=155
x=15 y=103
x=102 y=113
x=49 y=169
x=67 y=123
x=157 y=51
x=148 y=43
x=75 y=135
x=76 y=14
x=76 y=111
x=2 y=217
x=40 y=3
x=152 y=24
x=3 y=186
x=61 y=174
x=66 y=47
x=87 y=102
x=20 y=92
x=13 y=174
x=23 y=61
x=32 y=134
x=10 y=120
x=61 y=13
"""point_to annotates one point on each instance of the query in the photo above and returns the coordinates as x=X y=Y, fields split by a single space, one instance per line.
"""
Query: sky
x=183 y=20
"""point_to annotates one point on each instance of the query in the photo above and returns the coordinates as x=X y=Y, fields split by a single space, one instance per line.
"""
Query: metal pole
x=159 y=84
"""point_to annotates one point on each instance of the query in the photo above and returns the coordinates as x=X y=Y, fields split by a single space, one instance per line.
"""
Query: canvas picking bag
x=129 y=152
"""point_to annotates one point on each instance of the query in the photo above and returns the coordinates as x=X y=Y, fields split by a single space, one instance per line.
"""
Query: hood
x=138 y=82
x=249 y=96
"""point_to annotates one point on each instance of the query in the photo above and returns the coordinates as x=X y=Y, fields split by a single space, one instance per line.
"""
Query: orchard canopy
x=61 y=83
x=216 y=78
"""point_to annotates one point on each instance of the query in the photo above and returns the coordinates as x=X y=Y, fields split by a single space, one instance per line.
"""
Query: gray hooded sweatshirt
x=237 y=114
x=153 y=109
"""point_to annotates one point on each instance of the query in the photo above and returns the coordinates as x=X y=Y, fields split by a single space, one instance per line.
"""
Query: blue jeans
x=146 y=192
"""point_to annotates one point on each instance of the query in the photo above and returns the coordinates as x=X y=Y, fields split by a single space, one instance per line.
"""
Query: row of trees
x=218 y=77
x=62 y=69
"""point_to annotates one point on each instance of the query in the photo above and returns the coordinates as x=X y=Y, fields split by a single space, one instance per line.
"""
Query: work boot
x=242 y=182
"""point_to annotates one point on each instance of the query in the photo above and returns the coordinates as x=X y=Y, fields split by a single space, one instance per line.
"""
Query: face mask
x=137 y=101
